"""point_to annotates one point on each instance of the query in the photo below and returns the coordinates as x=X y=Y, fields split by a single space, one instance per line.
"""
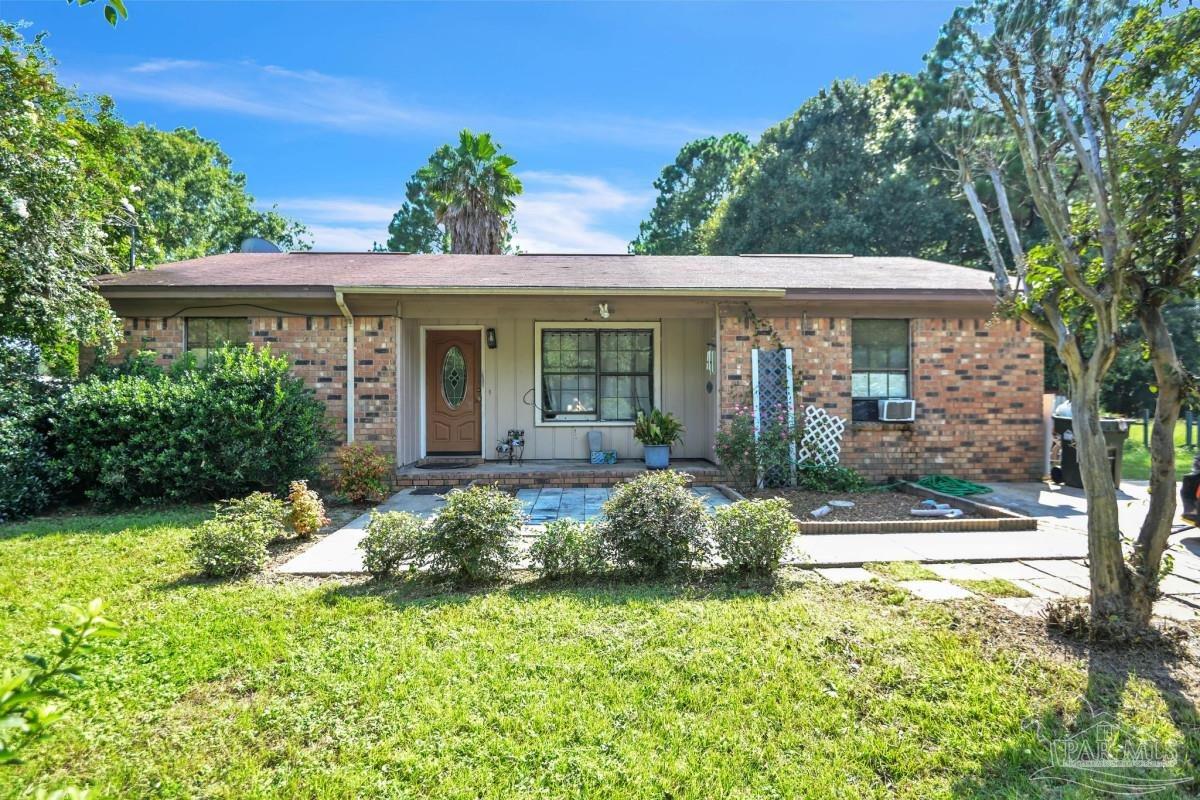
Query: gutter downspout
x=341 y=303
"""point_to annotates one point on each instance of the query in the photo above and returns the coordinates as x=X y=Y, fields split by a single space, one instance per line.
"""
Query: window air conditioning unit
x=897 y=410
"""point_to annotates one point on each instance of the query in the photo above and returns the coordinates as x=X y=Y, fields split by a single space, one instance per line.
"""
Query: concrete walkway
x=1046 y=564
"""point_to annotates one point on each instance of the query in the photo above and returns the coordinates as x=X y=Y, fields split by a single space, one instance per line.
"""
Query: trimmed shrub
x=472 y=537
x=655 y=525
x=28 y=480
x=259 y=510
x=568 y=548
x=751 y=534
x=234 y=541
x=392 y=538
x=831 y=478
x=362 y=473
x=306 y=512
x=238 y=423
x=225 y=547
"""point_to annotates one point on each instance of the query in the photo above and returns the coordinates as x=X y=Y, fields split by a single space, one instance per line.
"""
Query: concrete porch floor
x=564 y=473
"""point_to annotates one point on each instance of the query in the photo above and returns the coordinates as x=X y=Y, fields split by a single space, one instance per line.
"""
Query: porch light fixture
x=603 y=311
x=491 y=338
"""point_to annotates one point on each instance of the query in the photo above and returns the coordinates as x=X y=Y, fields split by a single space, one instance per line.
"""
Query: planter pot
x=658 y=456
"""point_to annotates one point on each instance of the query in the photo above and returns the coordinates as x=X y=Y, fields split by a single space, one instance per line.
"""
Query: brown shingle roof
x=314 y=270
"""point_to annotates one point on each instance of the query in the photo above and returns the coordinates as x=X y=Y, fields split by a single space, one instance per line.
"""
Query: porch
x=561 y=473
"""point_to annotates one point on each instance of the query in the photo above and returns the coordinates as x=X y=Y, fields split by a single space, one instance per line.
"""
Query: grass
x=259 y=688
x=1135 y=464
x=992 y=587
x=902 y=571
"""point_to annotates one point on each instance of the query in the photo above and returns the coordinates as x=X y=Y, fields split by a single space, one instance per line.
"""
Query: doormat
x=432 y=489
x=445 y=465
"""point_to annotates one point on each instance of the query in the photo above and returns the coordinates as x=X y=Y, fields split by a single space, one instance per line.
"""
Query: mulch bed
x=868 y=506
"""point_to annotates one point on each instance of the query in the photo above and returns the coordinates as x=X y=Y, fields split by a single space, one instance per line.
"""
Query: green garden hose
x=952 y=486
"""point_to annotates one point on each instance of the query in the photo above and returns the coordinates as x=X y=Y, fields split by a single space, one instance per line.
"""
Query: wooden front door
x=453 y=418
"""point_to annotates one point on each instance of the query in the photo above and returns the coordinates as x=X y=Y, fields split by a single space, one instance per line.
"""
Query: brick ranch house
x=428 y=355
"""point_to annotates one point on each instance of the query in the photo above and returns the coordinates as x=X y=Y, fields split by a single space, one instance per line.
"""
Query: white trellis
x=821 y=442
x=772 y=382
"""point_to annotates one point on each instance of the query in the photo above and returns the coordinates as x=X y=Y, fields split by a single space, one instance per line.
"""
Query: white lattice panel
x=821 y=441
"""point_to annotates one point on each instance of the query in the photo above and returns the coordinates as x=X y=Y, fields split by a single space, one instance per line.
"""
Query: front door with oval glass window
x=453 y=422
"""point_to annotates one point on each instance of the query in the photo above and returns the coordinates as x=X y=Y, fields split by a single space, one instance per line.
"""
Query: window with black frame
x=880 y=364
x=205 y=334
x=596 y=375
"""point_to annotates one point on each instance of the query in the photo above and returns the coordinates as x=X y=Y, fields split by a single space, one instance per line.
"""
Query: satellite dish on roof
x=254 y=244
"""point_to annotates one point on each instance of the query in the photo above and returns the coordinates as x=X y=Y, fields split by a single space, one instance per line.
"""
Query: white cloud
x=346 y=224
x=560 y=213
x=557 y=213
x=313 y=98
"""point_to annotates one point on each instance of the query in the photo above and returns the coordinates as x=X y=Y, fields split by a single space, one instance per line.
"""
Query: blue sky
x=328 y=107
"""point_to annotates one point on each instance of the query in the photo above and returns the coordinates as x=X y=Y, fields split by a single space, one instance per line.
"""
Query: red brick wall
x=163 y=335
x=316 y=347
x=977 y=383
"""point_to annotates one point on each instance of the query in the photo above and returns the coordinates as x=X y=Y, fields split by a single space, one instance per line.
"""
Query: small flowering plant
x=767 y=458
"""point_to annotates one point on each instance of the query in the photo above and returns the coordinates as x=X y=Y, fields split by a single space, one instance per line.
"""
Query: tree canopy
x=191 y=202
x=467 y=190
x=74 y=181
x=1101 y=100
x=689 y=191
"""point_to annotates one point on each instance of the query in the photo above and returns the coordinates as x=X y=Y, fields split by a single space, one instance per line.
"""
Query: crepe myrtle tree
x=1100 y=100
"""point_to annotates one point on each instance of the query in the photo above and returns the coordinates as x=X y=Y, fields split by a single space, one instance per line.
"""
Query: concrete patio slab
x=1075 y=572
x=958 y=572
x=1010 y=570
x=935 y=590
x=1051 y=588
x=1178 y=584
x=856 y=549
x=1022 y=606
x=845 y=574
x=1175 y=610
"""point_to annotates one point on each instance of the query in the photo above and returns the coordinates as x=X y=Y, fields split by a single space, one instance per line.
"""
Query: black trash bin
x=1116 y=431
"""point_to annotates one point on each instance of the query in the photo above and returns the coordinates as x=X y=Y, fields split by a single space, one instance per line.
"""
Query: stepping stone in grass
x=844 y=574
x=934 y=590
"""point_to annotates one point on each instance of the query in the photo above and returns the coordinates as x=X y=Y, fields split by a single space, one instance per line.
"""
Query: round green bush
x=655 y=524
x=751 y=535
x=472 y=538
x=234 y=541
x=392 y=538
x=238 y=423
x=568 y=548
x=225 y=547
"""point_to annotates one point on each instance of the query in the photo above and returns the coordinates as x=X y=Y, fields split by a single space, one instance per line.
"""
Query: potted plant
x=657 y=432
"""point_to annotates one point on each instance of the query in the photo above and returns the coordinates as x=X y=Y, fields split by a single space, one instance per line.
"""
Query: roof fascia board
x=561 y=290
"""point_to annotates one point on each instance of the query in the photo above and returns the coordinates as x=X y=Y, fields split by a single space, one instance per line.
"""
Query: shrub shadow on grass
x=616 y=588
x=85 y=521
x=1028 y=764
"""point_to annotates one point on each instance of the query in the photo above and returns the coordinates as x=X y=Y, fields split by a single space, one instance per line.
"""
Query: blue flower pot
x=658 y=456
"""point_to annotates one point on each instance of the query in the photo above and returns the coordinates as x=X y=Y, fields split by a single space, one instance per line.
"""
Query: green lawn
x=261 y=688
x=1136 y=462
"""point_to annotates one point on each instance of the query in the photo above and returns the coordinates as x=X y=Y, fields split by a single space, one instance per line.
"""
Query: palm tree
x=472 y=187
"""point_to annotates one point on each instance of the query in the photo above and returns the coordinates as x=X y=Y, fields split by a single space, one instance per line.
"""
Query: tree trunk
x=1110 y=580
x=1156 y=527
